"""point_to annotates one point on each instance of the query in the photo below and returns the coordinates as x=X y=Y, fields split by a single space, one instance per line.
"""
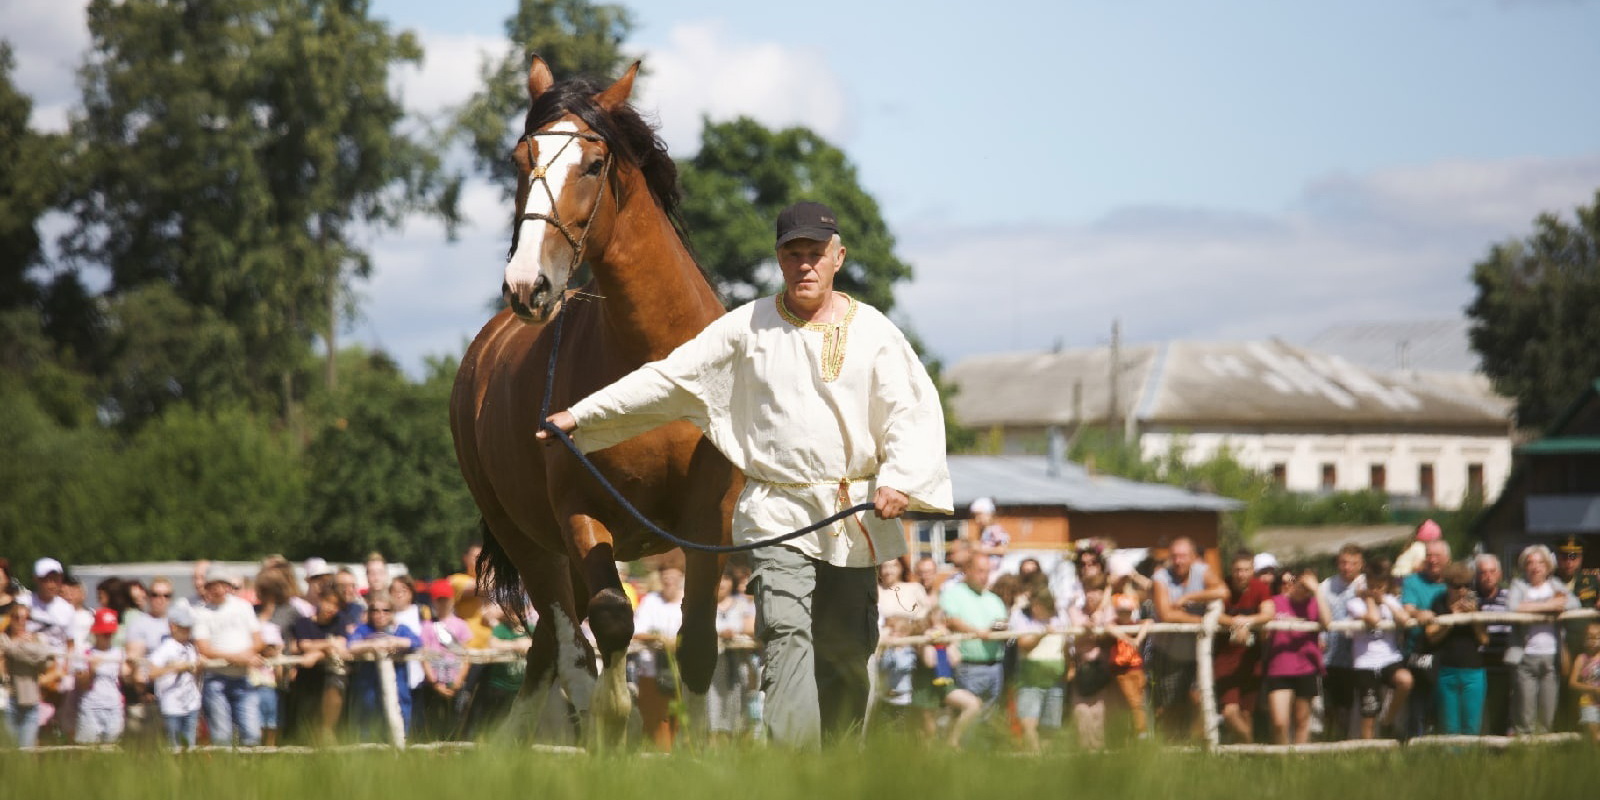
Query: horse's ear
x=539 y=78
x=617 y=94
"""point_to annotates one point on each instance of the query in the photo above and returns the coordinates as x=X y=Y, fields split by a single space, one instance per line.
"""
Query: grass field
x=879 y=771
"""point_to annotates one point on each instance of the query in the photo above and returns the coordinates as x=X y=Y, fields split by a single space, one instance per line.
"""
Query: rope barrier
x=1207 y=629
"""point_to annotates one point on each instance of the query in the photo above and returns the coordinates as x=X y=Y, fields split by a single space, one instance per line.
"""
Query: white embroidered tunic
x=799 y=407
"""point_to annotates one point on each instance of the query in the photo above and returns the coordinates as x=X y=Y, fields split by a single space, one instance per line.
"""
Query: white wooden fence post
x=1205 y=674
x=391 y=701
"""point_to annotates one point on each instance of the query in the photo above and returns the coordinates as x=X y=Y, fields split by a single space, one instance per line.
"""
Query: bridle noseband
x=537 y=176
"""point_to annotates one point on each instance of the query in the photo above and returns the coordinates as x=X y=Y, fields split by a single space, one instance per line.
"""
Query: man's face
x=346 y=584
x=808 y=268
x=1350 y=565
x=1437 y=555
x=671 y=583
x=927 y=571
x=977 y=573
x=1489 y=574
x=1567 y=564
x=49 y=587
x=160 y=599
x=1242 y=571
x=960 y=553
x=215 y=592
x=1182 y=557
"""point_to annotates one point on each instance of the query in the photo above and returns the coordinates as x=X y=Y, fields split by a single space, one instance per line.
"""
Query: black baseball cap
x=806 y=220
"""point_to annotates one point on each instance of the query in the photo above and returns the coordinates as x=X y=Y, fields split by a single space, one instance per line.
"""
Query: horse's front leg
x=611 y=621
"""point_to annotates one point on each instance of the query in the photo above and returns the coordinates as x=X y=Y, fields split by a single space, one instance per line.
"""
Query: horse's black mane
x=629 y=135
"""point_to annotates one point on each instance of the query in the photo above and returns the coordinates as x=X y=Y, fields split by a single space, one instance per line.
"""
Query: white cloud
x=1393 y=245
x=427 y=296
x=702 y=71
x=48 y=38
x=449 y=71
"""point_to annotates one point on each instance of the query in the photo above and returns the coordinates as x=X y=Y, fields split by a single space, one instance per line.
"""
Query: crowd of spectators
x=228 y=660
x=198 y=662
x=1402 y=673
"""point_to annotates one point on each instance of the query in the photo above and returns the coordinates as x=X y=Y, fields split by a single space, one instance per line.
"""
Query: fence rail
x=1205 y=631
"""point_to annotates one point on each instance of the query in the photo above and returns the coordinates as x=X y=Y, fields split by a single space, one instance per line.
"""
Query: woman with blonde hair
x=1535 y=647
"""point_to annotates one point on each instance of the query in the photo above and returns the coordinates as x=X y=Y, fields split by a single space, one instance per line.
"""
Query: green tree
x=745 y=174
x=234 y=150
x=1536 y=318
x=28 y=185
x=382 y=467
x=575 y=37
x=194 y=484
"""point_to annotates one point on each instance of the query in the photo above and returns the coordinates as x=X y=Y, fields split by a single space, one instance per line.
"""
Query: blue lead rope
x=561 y=435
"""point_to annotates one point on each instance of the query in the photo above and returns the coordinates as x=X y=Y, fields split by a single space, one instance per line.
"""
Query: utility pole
x=1113 y=403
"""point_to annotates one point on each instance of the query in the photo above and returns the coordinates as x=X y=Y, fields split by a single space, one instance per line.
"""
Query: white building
x=1315 y=422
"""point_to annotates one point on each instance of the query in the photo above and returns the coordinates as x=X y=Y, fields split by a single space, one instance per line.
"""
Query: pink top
x=1294 y=653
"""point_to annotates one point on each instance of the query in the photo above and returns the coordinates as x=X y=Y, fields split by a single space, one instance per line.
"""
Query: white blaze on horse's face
x=541 y=250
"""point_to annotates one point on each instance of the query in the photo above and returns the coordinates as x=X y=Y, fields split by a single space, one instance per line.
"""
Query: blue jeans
x=268 y=702
x=232 y=703
x=1459 y=696
x=23 y=723
x=181 y=728
x=984 y=680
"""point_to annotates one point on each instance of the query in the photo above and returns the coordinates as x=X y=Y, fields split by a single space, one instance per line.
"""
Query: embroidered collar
x=835 y=335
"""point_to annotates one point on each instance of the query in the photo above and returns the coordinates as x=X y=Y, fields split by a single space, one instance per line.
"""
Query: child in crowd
x=1090 y=671
x=1294 y=658
x=264 y=680
x=1041 y=667
x=897 y=667
x=1377 y=658
x=99 y=681
x=175 y=669
x=1585 y=682
x=935 y=691
x=1127 y=662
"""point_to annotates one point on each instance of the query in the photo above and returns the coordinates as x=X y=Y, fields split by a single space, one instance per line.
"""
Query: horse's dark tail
x=499 y=580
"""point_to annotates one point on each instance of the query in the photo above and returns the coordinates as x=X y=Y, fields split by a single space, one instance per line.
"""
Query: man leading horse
x=821 y=402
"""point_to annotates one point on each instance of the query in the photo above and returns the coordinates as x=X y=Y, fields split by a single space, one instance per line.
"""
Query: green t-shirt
x=507 y=675
x=977 y=610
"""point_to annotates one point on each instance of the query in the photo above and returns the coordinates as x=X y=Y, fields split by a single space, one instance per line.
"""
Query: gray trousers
x=1538 y=683
x=818 y=625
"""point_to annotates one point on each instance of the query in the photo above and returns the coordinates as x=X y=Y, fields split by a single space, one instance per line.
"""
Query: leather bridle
x=537 y=176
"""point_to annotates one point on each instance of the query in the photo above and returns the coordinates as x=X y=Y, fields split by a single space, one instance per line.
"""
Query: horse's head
x=566 y=163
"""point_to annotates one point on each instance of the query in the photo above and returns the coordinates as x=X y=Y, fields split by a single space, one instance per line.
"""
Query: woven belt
x=843 y=502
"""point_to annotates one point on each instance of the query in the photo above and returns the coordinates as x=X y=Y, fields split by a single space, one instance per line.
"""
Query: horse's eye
x=594 y=168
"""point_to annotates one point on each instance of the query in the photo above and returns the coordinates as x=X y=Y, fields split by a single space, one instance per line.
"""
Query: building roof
x=1026 y=481
x=1259 y=384
x=1291 y=544
x=1440 y=345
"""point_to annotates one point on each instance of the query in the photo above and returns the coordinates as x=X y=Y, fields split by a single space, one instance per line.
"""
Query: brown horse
x=595 y=187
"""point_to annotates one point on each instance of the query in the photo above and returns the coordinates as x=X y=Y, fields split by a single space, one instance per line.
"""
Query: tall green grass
x=882 y=770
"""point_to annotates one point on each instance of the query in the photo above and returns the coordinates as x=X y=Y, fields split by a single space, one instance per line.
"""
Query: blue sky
x=1227 y=169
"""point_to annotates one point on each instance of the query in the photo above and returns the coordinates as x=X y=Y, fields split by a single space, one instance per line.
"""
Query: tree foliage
x=28 y=184
x=745 y=174
x=1536 y=318
x=575 y=37
x=1265 y=502
x=382 y=468
x=232 y=150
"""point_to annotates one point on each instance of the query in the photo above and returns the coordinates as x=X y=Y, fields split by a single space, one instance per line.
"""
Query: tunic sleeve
x=905 y=407
x=692 y=383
